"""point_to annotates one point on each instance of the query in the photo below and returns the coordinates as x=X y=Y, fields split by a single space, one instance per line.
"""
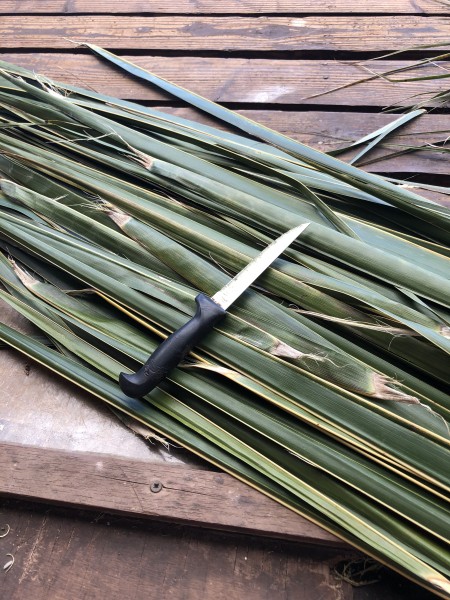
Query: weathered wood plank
x=331 y=130
x=326 y=130
x=239 y=80
x=117 y=485
x=212 y=6
x=61 y=556
x=226 y=34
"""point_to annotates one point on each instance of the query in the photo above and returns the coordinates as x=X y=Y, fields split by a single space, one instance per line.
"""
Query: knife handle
x=173 y=349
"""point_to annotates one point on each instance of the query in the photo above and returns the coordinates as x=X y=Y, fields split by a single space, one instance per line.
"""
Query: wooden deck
x=99 y=531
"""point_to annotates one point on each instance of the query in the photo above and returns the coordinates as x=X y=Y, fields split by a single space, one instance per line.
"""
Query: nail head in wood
x=156 y=487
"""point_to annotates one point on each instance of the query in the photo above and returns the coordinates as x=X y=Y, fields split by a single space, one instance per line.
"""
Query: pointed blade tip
x=301 y=227
x=234 y=288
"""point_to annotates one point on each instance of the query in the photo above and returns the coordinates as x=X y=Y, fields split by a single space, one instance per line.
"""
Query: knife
x=210 y=311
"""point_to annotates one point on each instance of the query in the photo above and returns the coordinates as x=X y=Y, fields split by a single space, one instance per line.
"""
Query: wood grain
x=212 y=6
x=117 y=485
x=241 y=80
x=61 y=556
x=226 y=34
x=333 y=130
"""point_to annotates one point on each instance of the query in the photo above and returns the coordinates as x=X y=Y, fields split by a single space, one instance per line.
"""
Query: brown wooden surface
x=239 y=80
x=93 y=556
x=261 y=82
x=230 y=34
x=331 y=130
x=202 y=498
x=223 y=7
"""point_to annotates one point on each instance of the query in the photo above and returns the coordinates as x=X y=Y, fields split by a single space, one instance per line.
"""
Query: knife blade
x=210 y=311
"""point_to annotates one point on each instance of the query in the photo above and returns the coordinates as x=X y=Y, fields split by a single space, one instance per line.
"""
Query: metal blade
x=234 y=288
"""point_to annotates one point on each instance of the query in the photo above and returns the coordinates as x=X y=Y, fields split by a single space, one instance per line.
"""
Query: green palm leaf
x=325 y=387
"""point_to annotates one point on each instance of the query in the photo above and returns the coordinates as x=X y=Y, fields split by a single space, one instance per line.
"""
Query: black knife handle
x=173 y=349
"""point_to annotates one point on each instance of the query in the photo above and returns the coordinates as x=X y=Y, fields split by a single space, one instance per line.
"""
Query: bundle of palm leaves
x=325 y=385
